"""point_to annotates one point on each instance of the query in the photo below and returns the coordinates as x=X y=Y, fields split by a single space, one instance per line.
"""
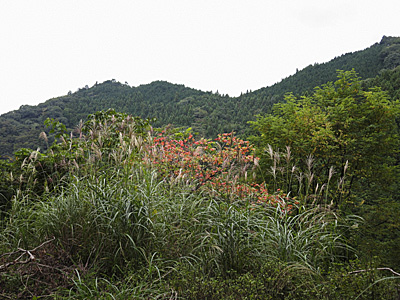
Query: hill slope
x=208 y=113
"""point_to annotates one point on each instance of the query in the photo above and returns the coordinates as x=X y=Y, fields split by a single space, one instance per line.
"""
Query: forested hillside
x=208 y=113
x=122 y=210
x=301 y=203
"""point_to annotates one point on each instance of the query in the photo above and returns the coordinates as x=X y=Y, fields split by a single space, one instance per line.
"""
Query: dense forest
x=165 y=192
x=208 y=113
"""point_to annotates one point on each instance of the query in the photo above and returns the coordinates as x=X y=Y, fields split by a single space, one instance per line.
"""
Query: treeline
x=208 y=113
x=307 y=208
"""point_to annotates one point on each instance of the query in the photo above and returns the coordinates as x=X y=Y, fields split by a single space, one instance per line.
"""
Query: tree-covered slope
x=368 y=63
x=21 y=128
x=208 y=113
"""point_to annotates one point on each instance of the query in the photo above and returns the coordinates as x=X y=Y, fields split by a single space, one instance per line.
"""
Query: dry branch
x=366 y=270
x=19 y=260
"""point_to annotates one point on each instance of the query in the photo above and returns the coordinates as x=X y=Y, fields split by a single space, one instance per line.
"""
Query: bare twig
x=5 y=296
x=9 y=253
x=366 y=270
x=18 y=260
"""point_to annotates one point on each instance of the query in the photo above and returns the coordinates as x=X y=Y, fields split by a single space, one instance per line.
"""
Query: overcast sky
x=48 y=48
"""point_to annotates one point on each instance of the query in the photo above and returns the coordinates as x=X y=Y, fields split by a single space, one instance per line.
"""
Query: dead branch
x=19 y=260
x=366 y=270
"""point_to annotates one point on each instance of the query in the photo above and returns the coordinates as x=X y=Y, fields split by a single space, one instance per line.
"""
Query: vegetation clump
x=120 y=210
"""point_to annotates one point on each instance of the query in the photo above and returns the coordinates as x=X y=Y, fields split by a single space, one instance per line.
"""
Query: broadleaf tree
x=349 y=132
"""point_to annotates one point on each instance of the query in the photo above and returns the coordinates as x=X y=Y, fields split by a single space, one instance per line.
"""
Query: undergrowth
x=118 y=227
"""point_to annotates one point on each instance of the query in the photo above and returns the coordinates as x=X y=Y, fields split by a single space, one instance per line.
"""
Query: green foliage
x=273 y=281
x=99 y=221
x=207 y=113
x=6 y=189
x=110 y=211
x=341 y=126
x=107 y=138
x=92 y=287
x=388 y=80
x=56 y=127
x=352 y=136
x=379 y=234
x=124 y=230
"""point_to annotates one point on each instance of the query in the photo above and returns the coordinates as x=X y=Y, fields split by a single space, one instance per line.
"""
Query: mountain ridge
x=208 y=113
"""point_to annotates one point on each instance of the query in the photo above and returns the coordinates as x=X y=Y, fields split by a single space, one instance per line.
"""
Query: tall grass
x=99 y=220
x=133 y=232
x=118 y=221
x=311 y=238
x=310 y=181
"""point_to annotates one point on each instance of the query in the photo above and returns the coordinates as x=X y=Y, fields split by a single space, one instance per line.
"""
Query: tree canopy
x=208 y=113
x=341 y=126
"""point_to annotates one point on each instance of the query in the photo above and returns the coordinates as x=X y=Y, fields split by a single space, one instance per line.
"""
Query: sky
x=51 y=47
